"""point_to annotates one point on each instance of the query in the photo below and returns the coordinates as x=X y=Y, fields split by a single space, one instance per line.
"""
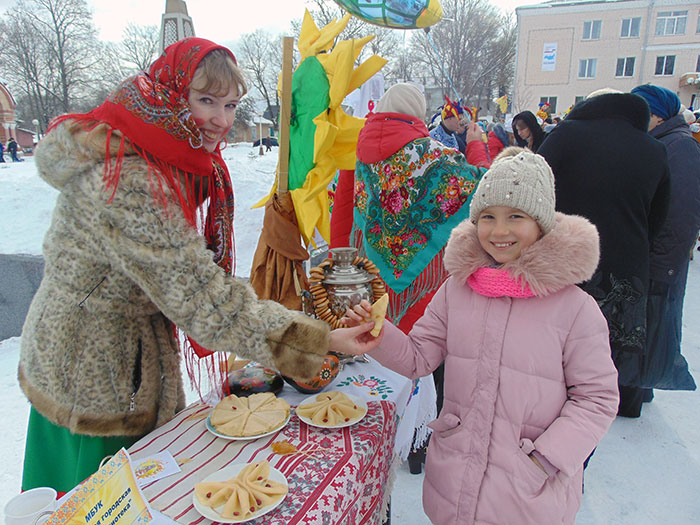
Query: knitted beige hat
x=402 y=98
x=519 y=179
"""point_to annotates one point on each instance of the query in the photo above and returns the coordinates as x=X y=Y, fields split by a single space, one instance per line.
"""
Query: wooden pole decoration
x=285 y=115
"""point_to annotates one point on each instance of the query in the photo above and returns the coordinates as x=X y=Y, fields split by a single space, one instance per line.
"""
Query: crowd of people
x=538 y=274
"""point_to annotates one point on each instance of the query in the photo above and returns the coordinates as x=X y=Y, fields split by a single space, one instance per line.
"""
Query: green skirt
x=55 y=457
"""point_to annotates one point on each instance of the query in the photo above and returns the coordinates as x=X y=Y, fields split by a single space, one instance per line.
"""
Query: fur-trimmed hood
x=567 y=255
x=626 y=106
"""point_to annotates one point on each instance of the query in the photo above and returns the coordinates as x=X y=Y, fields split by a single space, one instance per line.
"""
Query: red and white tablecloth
x=344 y=485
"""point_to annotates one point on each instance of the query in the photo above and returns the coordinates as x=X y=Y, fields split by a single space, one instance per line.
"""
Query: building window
x=664 y=65
x=625 y=67
x=578 y=99
x=671 y=22
x=586 y=67
x=697 y=29
x=552 y=101
x=591 y=29
x=630 y=27
x=697 y=65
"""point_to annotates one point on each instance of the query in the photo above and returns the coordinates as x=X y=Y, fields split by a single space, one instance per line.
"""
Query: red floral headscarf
x=151 y=111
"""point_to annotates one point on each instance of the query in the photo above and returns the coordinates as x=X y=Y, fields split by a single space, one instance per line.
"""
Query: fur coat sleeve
x=156 y=249
x=169 y=261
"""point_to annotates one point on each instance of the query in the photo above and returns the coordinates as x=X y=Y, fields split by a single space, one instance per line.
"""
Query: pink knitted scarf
x=495 y=282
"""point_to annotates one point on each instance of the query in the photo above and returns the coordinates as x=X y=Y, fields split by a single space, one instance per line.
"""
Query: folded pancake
x=378 y=313
x=255 y=401
x=235 y=426
x=241 y=504
x=233 y=415
x=331 y=409
x=213 y=493
x=243 y=495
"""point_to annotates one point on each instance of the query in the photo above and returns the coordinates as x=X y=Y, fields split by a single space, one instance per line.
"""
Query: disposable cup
x=30 y=507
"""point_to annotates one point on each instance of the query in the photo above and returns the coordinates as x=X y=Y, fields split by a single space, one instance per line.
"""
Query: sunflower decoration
x=322 y=137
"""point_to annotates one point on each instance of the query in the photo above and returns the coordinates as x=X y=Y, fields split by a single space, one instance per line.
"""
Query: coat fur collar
x=625 y=106
x=567 y=255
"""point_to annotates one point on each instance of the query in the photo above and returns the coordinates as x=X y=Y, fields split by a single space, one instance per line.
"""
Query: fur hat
x=519 y=179
x=402 y=98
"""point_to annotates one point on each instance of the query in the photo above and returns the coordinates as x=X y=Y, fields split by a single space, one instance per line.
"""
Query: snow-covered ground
x=645 y=471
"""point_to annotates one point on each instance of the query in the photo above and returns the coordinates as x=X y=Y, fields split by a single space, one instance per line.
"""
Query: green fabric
x=54 y=457
x=310 y=97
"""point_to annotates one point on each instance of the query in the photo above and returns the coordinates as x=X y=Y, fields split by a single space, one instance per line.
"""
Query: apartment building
x=567 y=49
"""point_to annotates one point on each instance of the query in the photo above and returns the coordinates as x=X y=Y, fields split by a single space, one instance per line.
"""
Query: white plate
x=354 y=399
x=228 y=473
x=211 y=429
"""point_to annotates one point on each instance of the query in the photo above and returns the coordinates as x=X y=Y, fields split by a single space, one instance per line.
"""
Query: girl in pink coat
x=530 y=387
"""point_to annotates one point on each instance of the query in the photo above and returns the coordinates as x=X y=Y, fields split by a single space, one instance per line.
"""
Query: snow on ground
x=646 y=471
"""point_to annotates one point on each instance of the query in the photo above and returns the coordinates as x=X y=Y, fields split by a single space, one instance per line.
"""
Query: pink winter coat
x=521 y=374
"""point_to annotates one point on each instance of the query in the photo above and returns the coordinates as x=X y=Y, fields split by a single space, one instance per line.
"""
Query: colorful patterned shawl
x=405 y=209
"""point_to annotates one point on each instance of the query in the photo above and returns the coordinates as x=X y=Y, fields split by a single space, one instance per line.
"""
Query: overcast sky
x=220 y=20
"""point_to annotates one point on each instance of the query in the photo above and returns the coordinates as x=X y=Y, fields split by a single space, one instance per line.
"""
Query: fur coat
x=522 y=375
x=98 y=352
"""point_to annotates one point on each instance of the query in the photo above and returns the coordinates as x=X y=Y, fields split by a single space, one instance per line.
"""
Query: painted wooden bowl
x=253 y=380
x=328 y=372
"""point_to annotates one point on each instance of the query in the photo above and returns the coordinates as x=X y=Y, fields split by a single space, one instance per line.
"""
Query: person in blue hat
x=663 y=365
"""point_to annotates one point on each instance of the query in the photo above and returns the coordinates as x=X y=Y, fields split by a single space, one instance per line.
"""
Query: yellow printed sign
x=109 y=497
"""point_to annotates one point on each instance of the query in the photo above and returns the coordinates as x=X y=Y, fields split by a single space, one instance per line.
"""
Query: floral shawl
x=405 y=208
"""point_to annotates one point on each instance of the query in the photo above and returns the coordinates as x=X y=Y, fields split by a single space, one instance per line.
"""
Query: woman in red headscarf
x=141 y=242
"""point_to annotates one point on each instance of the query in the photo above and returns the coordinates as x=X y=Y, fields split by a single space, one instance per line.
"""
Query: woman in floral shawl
x=410 y=192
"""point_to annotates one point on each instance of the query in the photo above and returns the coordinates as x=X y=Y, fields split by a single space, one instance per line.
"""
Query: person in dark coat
x=12 y=149
x=665 y=367
x=609 y=170
x=527 y=131
x=2 y=149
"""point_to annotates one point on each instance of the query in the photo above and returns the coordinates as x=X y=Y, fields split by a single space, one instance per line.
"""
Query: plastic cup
x=29 y=507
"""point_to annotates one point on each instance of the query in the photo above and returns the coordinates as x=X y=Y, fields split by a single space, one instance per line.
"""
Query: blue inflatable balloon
x=397 y=14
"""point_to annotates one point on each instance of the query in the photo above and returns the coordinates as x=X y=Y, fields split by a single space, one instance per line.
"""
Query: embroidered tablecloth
x=415 y=400
x=344 y=485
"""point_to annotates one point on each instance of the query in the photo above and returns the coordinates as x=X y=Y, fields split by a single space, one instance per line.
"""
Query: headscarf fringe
x=429 y=280
x=210 y=370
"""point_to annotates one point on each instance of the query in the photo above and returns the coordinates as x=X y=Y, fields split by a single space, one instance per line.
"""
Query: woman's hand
x=358 y=314
x=355 y=340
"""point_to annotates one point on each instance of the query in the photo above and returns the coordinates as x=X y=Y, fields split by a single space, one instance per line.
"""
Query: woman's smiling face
x=214 y=114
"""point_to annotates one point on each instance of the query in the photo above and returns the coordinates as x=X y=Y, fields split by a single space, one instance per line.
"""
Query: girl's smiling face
x=505 y=232
x=214 y=114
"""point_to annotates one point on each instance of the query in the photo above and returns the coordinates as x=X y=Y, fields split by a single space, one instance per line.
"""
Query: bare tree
x=139 y=46
x=49 y=47
x=473 y=49
x=259 y=57
x=134 y=53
